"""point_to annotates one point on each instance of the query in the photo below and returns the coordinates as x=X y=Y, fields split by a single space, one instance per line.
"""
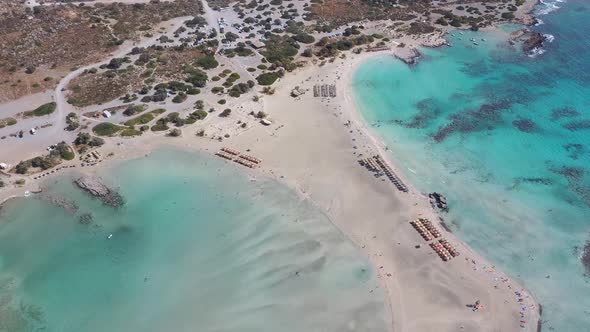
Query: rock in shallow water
x=96 y=188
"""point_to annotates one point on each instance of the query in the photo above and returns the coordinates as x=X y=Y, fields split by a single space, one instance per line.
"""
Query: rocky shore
x=96 y=188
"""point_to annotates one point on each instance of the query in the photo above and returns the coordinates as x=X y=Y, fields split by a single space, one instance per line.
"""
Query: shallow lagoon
x=198 y=245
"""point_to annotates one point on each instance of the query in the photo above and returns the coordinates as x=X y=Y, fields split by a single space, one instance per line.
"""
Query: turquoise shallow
x=198 y=246
x=505 y=137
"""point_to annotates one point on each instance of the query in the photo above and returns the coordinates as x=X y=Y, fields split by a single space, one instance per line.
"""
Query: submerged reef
x=563 y=112
x=524 y=125
x=486 y=117
x=97 y=189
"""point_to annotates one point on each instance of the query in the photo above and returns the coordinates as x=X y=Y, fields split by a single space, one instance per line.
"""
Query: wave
x=538 y=22
x=547 y=6
x=535 y=52
x=549 y=37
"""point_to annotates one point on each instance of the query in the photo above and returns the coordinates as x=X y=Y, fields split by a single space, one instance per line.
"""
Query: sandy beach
x=313 y=146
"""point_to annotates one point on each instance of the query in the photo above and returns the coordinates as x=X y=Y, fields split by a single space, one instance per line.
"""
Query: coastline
x=315 y=166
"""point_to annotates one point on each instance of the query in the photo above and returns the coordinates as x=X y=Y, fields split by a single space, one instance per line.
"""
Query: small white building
x=33 y=131
x=3 y=166
x=106 y=114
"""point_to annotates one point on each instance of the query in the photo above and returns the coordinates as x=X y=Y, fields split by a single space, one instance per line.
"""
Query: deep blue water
x=506 y=137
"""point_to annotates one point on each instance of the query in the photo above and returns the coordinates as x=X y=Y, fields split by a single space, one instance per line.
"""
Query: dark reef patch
x=427 y=111
x=478 y=68
x=577 y=125
x=542 y=181
x=585 y=258
x=524 y=125
x=571 y=173
x=574 y=150
x=486 y=117
x=563 y=112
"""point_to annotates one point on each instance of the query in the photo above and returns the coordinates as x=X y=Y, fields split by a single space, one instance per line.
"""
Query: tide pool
x=198 y=246
x=505 y=137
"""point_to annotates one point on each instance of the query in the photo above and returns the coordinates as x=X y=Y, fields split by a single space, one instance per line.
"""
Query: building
x=106 y=114
x=3 y=166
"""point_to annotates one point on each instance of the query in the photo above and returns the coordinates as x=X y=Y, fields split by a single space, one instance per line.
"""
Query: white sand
x=309 y=148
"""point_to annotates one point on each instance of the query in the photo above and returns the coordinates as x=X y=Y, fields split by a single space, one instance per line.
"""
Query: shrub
x=179 y=98
x=226 y=112
x=221 y=101
x=175 y=132
x=130 y=132
x=106 y=129
x=508 y=15
x=267 y=78
x=304 y=38
x=42 y=110
x=207 y=62
x=134 y=109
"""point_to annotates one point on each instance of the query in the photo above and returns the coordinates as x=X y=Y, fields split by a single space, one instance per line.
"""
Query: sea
x=198 y=245
x=505 y=136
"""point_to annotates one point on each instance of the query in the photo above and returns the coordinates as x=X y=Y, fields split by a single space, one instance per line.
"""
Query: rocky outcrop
x=533 y=41
x=96 y=188
x=439 y=201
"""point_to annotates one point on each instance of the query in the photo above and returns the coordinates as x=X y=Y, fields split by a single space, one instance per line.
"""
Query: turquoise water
x=198 y=246
x=505 y=137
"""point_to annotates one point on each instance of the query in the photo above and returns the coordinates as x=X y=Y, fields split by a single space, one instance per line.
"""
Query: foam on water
x=505 y=137
x=196 y=247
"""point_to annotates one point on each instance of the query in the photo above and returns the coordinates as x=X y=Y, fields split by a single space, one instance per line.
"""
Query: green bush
x=508 y=15
x=42 y=110
x=267 y=78
x=142 y=119
x=304 y=38
x=179 y=98
x=106 y=129
x=207 y=62
x=130 y=132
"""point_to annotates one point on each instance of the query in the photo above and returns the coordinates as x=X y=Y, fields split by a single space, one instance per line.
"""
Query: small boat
x=110 y=236
x=474 y=43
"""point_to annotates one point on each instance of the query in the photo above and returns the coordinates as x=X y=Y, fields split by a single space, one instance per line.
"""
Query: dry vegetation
x=56 y=38
x=333 y=13
x=160 y=65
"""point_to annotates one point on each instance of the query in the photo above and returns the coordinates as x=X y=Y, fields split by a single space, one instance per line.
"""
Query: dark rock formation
x=94 y=187
x=586 y=257
x=524 y=125
x=564 y=112
x=67 y=205
x=534 y=40
x=85 y=219
x=577 y=125
x=439 y=201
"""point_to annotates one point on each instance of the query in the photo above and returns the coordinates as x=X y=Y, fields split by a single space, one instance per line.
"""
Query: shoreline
x=364 y=195
x=292 y=169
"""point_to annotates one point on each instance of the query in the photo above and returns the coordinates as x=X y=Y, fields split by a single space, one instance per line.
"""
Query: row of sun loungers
x=430 y=227
x=225 y=155
x=251 y=159
x=378 y=165
x=231 y=151
x=390 y=174
x=238 y=157
x=245 y=163
x=428 y=232
x=52 y=171
x=441 y=251
x=449 y=247
x=324 y=90
x=423 y=230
